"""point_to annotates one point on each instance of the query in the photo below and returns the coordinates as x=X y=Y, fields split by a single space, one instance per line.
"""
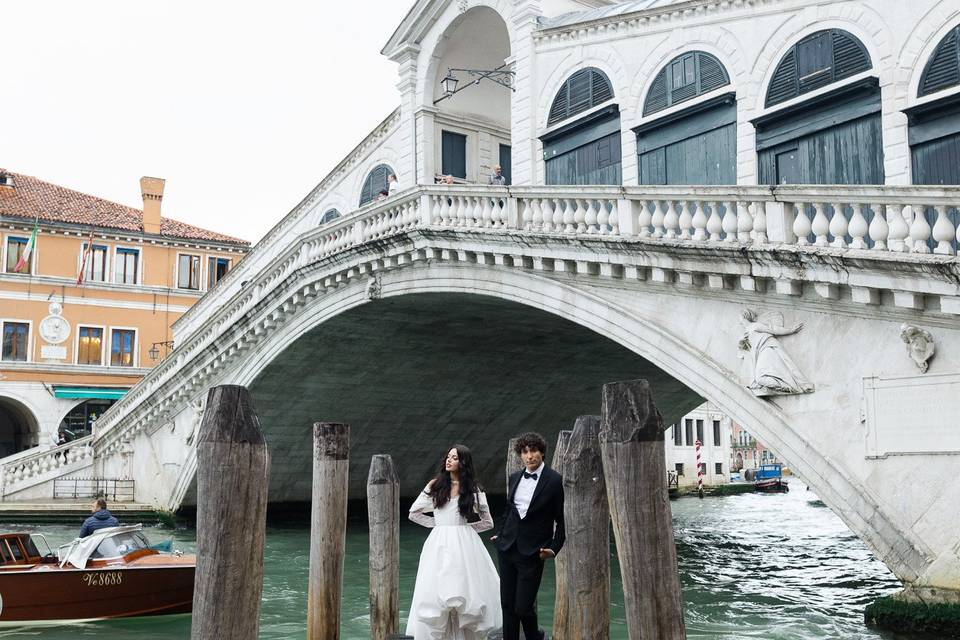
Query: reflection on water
x=778 y=567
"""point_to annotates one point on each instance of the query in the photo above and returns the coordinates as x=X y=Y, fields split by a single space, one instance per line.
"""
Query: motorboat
x=769 y=479
x=112 y=573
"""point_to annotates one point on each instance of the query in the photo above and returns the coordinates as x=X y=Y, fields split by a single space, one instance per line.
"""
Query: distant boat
x=112 y=573
x=769 y=479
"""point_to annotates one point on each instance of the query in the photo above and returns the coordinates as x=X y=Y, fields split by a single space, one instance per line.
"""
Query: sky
x=242 y=107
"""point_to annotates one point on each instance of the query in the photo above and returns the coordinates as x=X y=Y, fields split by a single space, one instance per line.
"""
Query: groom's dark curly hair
x=531 y=440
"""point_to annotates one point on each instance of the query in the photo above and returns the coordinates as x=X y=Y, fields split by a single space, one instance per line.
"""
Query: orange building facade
x=89 y=310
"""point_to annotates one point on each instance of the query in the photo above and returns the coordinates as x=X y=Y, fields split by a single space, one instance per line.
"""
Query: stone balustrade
x=39 y=465
x=875 y=222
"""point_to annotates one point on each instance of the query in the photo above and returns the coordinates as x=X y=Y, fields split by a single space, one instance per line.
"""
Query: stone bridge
x=467 y=314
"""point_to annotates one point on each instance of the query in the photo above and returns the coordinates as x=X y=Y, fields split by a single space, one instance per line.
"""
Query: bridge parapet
x=33 y=467
x=756 y=239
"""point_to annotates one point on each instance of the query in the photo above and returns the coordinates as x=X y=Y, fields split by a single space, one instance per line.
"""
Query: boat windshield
x=30 y=546
x=121 y=544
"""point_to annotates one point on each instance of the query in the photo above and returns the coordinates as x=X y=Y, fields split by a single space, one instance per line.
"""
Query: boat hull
x=51 y=593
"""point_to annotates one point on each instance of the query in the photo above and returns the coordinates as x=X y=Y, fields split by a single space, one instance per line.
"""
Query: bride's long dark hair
x=468 y=482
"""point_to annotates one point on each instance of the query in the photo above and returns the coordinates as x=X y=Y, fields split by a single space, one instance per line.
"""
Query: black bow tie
x=529 y=475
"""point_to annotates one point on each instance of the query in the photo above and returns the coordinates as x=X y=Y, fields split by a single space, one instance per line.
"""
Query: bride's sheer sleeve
x=421 y=511
x=486 y=520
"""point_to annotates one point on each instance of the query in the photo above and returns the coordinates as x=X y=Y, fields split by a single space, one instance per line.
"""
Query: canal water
x=777 y=567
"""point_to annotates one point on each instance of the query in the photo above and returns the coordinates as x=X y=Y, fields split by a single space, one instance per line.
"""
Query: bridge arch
x=714 y=375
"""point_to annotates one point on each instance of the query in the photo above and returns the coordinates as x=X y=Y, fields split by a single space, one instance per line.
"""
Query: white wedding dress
x=457 y=594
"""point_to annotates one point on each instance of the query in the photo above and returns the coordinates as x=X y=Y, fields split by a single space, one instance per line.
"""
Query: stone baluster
x=686 y=220
x=613 y=217
x=730 y=222
x=898 y=228
x=657 y=219
x=590 y=217
x=579 y=216
x=569 y=215
x=820 y=225
x=671 y=220
x=858 y=228
x=443 y=211
x=838 y=226
x=879 y=230
x=526 y=213
x=745 y=222
x=545 y=222
x=714 y=222
x=486 y=213
x=477 y=219
x=559 y=208
x=699 y=221
x=644 y=219
x=944 y=231
x=801 y=223
x=919 y=231
x=602 y=217
x=456 y=210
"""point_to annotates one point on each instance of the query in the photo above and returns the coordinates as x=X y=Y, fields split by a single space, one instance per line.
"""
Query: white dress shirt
x=524 y=493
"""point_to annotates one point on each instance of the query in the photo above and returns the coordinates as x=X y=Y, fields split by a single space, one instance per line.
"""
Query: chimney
x=152 y=191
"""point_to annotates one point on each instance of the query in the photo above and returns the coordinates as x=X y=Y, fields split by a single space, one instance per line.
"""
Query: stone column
x=407 y=171
x=523 y=117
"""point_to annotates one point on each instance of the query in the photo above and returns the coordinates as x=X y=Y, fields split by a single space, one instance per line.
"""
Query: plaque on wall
x=912 y=415
x=51 y=352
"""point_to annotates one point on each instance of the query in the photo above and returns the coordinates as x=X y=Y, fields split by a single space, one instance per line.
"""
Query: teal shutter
x=375 y=182
x=943 y=68
x=819 y=59
x=584 y=90
x=453 y=154
x=685 y=77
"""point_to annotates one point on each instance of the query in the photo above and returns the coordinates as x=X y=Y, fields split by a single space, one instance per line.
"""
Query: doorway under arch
x=19 y=429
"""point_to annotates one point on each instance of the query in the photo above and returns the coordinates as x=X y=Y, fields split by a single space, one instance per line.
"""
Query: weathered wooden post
x=383 y=514
x=631 y=445
x=233 y=470
x=587 y=550
x=328 y=529
x=561 y=595
x=514 y=463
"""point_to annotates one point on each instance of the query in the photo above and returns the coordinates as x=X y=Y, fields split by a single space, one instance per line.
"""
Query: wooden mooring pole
x=328 y=529
x=383 y=514
x=631 y=445
x=561 y=607
x=587 y=550
x=233 y=470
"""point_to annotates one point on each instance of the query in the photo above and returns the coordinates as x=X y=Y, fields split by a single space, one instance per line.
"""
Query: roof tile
x=31 y=197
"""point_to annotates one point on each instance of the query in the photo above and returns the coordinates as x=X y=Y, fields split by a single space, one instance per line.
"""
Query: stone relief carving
x=199 y=406
x=375 y=287
x=920 y=345
x=55 y=328
x=774 y=372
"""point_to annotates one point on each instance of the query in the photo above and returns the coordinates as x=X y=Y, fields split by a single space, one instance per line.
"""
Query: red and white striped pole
x=699 y=471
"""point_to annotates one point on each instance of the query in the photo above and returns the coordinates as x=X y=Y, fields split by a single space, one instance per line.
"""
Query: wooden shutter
x=583 y=90
x=657 y=96
x=375 y=183
x=712 y=73
x=850 y=57
x=783 y=85
x=943 y=68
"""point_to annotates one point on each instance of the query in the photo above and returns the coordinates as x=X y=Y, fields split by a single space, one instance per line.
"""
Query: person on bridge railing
x=101 y=519
x=457 y=592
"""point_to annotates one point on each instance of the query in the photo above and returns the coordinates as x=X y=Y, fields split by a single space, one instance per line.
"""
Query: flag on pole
x=25 y=256
x=85 y=258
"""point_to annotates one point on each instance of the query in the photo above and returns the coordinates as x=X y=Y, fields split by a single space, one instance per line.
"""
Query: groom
x=531 y=532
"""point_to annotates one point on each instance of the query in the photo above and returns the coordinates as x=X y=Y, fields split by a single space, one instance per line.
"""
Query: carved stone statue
x=920 y=345
x=774 y=373
x=198 y=409
x=374 y=286
x=55 y=328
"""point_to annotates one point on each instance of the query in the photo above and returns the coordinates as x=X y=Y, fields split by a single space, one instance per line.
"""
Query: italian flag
x=25 y=257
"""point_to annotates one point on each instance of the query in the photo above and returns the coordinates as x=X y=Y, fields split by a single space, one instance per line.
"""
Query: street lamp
x=500 y=75
x=155 y=351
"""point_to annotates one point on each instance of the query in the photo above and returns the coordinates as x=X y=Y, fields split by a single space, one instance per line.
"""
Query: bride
x=457 y=593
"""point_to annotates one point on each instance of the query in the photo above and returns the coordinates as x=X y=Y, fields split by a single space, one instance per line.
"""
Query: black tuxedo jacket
x=542 y=528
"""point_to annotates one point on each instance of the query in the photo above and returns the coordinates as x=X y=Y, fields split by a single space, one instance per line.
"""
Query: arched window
x=583 y=90
x=943 y=67
x=685 y=77
x=375 y=183
x=329 y=216
x=816 y=61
